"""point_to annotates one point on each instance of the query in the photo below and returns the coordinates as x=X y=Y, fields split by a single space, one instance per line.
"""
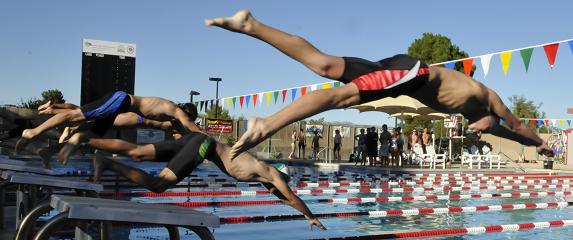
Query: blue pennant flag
x=248 y=99
x=571 y=46
x=293 y=94
x=451 y=65
x=539 y=122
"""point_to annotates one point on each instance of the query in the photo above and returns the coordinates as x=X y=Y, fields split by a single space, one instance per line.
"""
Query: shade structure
x=418 y=116
x=400 y=104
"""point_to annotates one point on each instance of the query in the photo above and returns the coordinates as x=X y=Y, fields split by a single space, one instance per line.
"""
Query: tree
x=522 y=107
x=221 y=113
x=435 y=48
x=53 y=95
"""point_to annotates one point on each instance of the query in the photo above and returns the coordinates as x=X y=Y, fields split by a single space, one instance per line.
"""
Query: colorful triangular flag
x=292 y=94
x=336 y=84
x=569 y=123
x=539 y=122
x=211 y=104
x=551 y=52
x=261 y=98
x=571 y=46
x=241 y=100
x=326 y=86
x=255 y=97
x=234 y=101
x=526 y=56
x=284 y=92
x=533 y=122
x=546 y=122
x=276 y=96
x=228 y=102
x=303 y=91
x=268 y=98
x=505 y=59
x=553 y=122
x=468 y=65
x=247 y=100
x=561 y=122
x=450 y=65
x=202 y=104
x=485 y=61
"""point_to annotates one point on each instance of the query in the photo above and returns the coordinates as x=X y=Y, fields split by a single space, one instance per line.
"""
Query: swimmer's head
x=190 y=110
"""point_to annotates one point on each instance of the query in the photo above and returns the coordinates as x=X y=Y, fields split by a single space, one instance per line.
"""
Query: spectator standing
x=385 y=138
x=315 y=145
x=337 y=144
x=301 y=139
x=372 y=145
x=293 y=144
x=361 y=151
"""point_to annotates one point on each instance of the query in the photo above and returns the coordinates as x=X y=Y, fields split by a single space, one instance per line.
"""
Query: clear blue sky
x=41 y=45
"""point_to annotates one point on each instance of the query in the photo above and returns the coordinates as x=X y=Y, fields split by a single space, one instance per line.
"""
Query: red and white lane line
x=432 y=183
x=398 y=212
x=441 y=178
x=430 y=189
x=197 y=204
x=430 y=174
x=465 y=231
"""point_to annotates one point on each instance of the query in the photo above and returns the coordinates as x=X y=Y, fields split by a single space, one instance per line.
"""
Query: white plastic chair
x=436 y=158
x=419 y=156
x=491 y=158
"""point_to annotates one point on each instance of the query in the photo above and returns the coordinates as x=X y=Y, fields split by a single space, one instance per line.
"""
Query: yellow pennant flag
x=505 y=59
x=268 y=98
x=561 y=122
x=326 y=86
x=228 y=102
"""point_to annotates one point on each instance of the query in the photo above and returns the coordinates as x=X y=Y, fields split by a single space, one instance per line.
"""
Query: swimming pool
x=363 y=210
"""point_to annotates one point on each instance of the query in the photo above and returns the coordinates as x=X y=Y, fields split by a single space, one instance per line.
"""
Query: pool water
x=356 y=225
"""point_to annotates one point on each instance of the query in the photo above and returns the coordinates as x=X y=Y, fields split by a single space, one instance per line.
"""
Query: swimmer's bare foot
x=71 y=146
x=46 y=156
x=67 y=133
x=26 y=138
x=44 y=106
x=256 y=132
x=241 y=22
x=100 y=165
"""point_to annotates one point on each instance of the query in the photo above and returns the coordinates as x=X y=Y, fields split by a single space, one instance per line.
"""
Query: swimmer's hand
x=317 y=223
x=544 y=149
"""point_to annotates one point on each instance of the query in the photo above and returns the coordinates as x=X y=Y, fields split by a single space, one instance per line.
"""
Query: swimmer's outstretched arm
x=518 y=132
x=131 y=119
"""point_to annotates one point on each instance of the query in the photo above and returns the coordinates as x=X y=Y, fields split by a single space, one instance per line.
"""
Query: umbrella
x=390 y=105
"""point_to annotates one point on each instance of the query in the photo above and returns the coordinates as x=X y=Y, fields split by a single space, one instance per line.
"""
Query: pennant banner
x=551 y=52
x=451 y=65
x=247 y=100
x=268 y=98
x=485 y=61
x=241 y=100
x=303 y=90
x=255 y=96
x=526 y=56
x=284 y=92
x=292 y=94
x=468 y=65
x=505 y=59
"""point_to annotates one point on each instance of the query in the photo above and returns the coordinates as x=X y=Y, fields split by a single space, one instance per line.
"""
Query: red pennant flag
x=533 y=122
x=255 y=96
x=284 y=94
x=546 y=122
x=551 y=52
x=241 y=100
x=303 y=91
x=468 y=65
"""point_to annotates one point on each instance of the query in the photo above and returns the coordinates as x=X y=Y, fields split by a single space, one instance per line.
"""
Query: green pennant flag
x=526 y=56
x=276 y=96
x=336 y=84
x=234 y=101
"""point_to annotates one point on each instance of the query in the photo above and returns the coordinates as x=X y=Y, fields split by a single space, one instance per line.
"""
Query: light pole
x=215 y=79
x=191 y=94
